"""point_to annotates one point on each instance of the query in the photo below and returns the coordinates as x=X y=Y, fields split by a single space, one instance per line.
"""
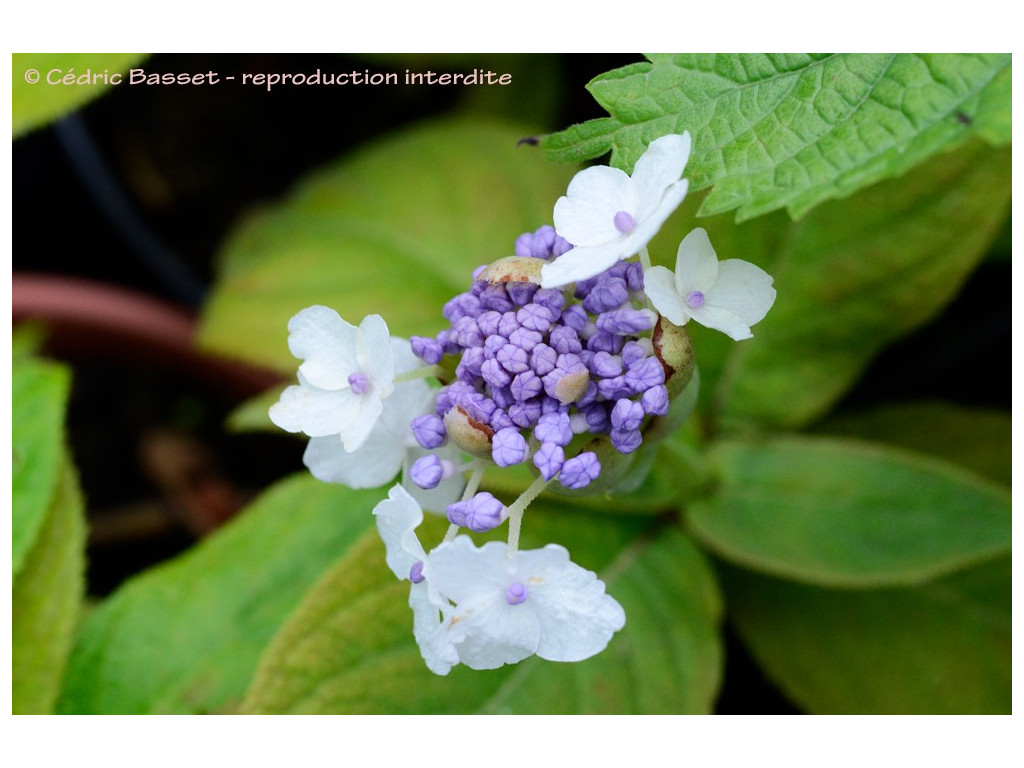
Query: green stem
x=645 y=258
x=423 y=372
x=515 y=512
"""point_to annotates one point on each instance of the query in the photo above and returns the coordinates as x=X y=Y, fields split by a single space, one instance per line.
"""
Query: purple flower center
x=516 y=594
x=695 y=299
x=624 y=222
x=359 y=382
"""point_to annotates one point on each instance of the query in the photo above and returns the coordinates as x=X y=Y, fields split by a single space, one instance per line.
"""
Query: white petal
x=304 y=408
x=357 y=427
x=397 y=519
x=404 y=358
x=488 y=632
x=722 y=320
x=463 y=572
x=661 y=165
x=743 y=289
x=585 y=215
x=696 y=264
x=429 y=631
x=660 y=287
x=584 y=262
x=374 y=355
x=376 y=462
x=326 y=343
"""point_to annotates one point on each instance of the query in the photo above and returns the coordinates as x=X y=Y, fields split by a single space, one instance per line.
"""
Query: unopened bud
x=514 y=269
x=472 y=436
x=674 y=349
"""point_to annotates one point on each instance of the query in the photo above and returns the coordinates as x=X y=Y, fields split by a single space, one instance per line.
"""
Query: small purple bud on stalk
x=427 y=349
x=508 y=447
x=428 y=471
x=480 y=513
x=655 y=400
x=553 y=428
x=549 y=460
x=608 y=294
x=579 y=471
x=626 y=440
x=627 y=415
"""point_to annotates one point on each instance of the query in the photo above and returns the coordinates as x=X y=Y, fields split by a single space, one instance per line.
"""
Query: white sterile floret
x=511 y=605
x=609 y=216
x=729 y=296
x=398 y=516
x=346 y=374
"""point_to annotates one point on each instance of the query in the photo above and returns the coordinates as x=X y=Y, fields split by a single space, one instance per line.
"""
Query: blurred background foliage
x=829 y=533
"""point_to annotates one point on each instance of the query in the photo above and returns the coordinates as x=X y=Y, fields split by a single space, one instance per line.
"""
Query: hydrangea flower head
x=608 y=215
x=346 y=374
x=729 y=296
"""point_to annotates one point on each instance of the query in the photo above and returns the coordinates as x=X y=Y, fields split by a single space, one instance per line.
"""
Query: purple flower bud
x=604 y=341
x=614 y=388
x=626 y=322
x=426 y=349
x=500 y=420
x=508 y=447
x=495 y=297
x=494 y=374
x=526 y=385
x=429 y=431
x=428 y=471
x=644 y=374
x=416 y=572
x=525 y=339
x=536 y=317
x=551 y=298
x=553 y=428
x=655 y=400
x=525 y=414
x=626 y=440
x=543 y=359
x=584 y=287
x=492 y=344
x=359 y=382
x=480 y=513
x=516 y=593
x=564 y=340
x=472 y=360
x=607 y=294
x=507 y=324
x=596 y=415
x=524 y=245
x=549 y=459
x=551 y=405
x=579 y=471
x=487 y=322
x=634 y=276
x=633 y=351
x=560 y=246
x=521 y=293
x=466 y=332
x=605 y=365
x=448 y=345
x=502 y=397
x=575 y=317
x=514 y=359
x=627 y=415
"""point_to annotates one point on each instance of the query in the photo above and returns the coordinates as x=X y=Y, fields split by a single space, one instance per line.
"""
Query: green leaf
x=852 y=277
x=975 y=438
x=46 y=599
x=39 y=393
x=254 y=414
x=185 y=637
x=843 y=513
x=349 y=647
x=793 y=130
x=36 y=103
x=943 y=647
x=395 y=229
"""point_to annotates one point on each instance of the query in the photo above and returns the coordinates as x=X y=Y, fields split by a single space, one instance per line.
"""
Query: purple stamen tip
x=624 y=222
x=695 y=299
x=359 y=382
x=516 y=593
x=416 y=572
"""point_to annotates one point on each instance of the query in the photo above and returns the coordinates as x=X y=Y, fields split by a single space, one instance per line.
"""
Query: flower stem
x=645 y=258
x=515 y=512
x=423 y=372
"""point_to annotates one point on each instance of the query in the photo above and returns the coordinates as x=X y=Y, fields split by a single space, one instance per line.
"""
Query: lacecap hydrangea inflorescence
x=569 y=358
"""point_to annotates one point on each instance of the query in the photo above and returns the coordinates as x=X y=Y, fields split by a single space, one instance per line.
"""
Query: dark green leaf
x=943 y=647
x=852 y=277
x=395 y=229
x=793 y=130
x=185 y=637
x=843 y=513
x=978 y=439
x=349 y=647
x=38 y=399
x=46 y=599
x=37 y=103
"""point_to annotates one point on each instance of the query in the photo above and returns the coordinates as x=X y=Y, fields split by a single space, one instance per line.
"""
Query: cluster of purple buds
x=536 y=367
